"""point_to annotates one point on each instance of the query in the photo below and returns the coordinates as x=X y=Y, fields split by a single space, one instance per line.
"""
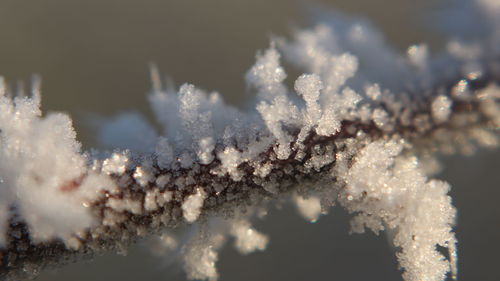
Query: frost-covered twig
x=359 y=129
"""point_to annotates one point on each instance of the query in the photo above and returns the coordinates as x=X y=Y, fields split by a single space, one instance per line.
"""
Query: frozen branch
x=359 y=129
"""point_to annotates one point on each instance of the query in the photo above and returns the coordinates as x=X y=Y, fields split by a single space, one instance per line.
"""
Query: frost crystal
x=248 y=239
x=191 y=207
x=42 y=171
x=309 y=208
x=391 y=192
x=418 y=56
x=441 y=109
x=200 y=256
x=116 y=164
x=361 y=131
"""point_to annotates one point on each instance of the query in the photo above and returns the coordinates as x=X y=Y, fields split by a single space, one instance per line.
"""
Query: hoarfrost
x=191 y=207
x=42 y=171
x=127 y=131
x=267 y=75
x=362 y=135
x=248 y=239
x=385 y=189
x=275 y=108
x=418 y=56
x=116 y=164
x=354 y=89
x=200 y=257
x=441 y=109
x=309 y=208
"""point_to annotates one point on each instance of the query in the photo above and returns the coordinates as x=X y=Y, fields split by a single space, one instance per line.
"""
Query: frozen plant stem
x=361 y=132
x=138 y=216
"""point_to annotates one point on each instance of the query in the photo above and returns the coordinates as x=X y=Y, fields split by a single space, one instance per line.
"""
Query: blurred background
x=93 y=57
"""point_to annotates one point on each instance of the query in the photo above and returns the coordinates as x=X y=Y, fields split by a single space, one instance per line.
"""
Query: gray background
x=93 y=58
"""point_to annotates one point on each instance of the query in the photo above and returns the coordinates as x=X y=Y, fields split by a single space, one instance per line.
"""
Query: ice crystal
x=247 y=238
x=361 y=133
x=200 y=256
x=191 y=207
x=309 y=208
x=37 y=182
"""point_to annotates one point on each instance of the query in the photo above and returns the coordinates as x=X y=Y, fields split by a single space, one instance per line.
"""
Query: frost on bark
x=360 y=129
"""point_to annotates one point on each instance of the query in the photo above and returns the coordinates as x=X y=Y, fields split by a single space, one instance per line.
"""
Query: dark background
x=93 y=58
